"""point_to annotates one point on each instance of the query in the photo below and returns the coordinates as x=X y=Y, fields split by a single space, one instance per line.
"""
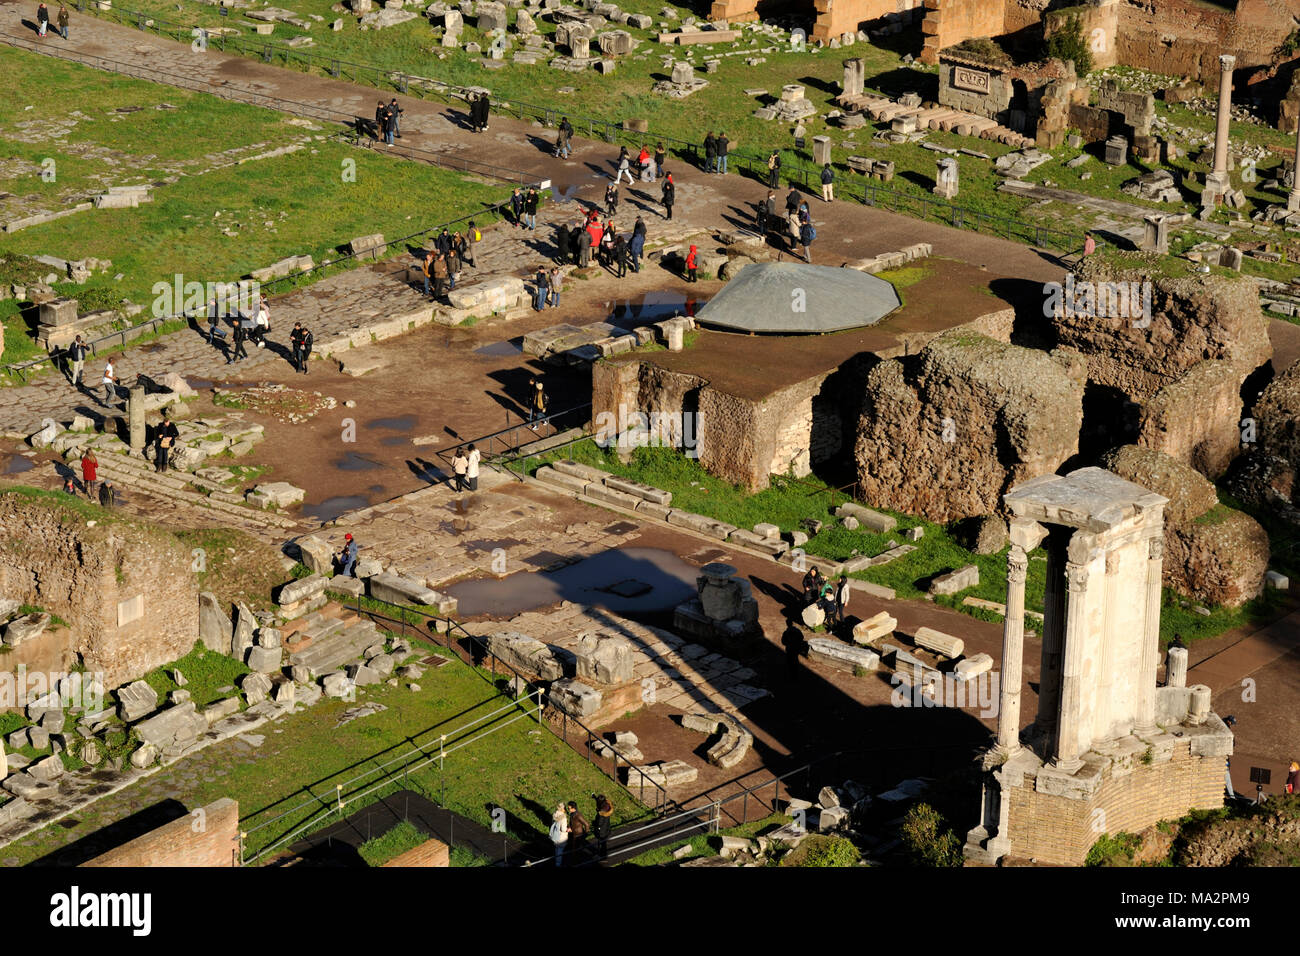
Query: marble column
x=135 y=417
x=1219 y=182
x=1013 y=648
x=1145 y=719
x=1049 y=668
x=1293 y=198
x=1067 y=756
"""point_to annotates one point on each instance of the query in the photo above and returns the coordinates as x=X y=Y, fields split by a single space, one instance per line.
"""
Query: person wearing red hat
x=348 y=557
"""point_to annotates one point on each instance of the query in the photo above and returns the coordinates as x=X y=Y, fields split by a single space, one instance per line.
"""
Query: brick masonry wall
x=1181 y=38
x=948 y=22
x=429 y=853
x=1059 y=830
x=216 y=842
x=49 y=557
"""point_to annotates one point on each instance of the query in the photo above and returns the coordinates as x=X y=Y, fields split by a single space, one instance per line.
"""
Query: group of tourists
x=43 y=20
x=523 y=207
x=570 y=830
x=387 y=121
x=831 y=596
x=479 y=108
x=797 y=225
x=576 y=240
x=97 y=490
x=446 y=257
x=464 y=468
x=715 y=152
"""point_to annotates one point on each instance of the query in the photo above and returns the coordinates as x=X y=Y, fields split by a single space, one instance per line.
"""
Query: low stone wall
x=209 y=836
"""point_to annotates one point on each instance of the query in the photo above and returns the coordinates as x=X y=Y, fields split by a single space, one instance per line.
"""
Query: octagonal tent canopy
x=793 y=298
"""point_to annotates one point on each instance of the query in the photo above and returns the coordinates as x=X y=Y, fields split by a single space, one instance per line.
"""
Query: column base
x=1067 y=766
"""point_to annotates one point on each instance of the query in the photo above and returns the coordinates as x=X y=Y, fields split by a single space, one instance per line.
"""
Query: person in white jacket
x=559 y=833
x=471 y=468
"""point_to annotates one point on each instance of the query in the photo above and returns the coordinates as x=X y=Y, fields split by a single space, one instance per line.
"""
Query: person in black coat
x=669 y=195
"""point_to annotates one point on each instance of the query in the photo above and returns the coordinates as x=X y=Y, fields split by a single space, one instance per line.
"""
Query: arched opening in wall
x=1110 y=418
x=836 y=408
x=1018 y=111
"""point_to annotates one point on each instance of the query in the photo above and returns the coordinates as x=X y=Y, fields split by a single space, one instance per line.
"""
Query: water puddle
x=652 y=307
x=353 y=461
x=393 y=440
x=331 y=508
x=18 y=464
x=505 y=349
x=630 y=580
x=398 y=423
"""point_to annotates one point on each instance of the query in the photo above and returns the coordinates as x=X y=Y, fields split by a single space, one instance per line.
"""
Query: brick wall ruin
x=126 y=590
x=207 y=837
x=949 y=22
x=1051 y=828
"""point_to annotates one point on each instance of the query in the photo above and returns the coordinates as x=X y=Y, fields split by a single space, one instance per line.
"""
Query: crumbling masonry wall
x=126 y=591
x=207 y=837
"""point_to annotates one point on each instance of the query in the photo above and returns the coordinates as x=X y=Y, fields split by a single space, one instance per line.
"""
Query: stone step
x=335 y=649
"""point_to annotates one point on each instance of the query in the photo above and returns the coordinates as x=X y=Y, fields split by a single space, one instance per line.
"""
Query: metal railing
x=450 y=634
x=496 y=446
x=746 y=161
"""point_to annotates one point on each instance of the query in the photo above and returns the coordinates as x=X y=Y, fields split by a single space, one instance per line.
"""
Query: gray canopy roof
x=765 y=297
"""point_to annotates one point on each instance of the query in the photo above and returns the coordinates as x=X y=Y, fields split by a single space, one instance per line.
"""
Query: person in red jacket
x=89 y=472
x=691 y=264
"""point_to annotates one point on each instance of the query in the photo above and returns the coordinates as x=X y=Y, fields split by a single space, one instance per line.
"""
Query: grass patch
x=205 y=672
x=1117 y=850
x=379 y=850
x=234 y=565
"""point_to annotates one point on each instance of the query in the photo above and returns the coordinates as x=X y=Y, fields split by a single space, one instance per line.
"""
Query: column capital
x=1017 y=565
x=1156 y=548
x=1226 y=62
x=1076 y=577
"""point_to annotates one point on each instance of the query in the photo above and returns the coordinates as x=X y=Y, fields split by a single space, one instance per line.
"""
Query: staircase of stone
x=885 y=110
x=328 y=638
x=136 y=474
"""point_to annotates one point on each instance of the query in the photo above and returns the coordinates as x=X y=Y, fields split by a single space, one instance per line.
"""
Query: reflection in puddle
x=18 y=464
x=629 y=580
x=331 y=508
x=652 y=307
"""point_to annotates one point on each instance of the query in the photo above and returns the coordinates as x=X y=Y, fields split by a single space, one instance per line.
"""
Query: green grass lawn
x=521 y=767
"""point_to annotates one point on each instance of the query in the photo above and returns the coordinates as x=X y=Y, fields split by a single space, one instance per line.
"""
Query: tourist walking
x=261 y=324
x=42 y=20
x=611 y=199
x=164 y=440
x=554 y=277
x=295 y=337
x=774 y=170
x=110 y=383
x=620 y=255
x=517 y=207
x=472 y=238
x=427 y=268
x=723 y=146
x=536 y=405
x=443 y=241
x=77 y=352
x=828 y=183
x=307 y=340
x=541 y=289
x=347 y=557
x=661 y=155
x=840 y=600
x=440 y=275
x=459 y=467
x=484 y=111
x=531 y=203
x=766 y=212
x=692 y=261
x=793 y=228
x=381 y=119
x=669 y=195
x=710 y=152
x=812 y=585
x=89 y=473
x=624 y=168
x=63 y=21
x=807 y=233
x=584 y=248
x=559 y=833
x=602 y=825
x=474 y=456
x=792 y=200
x=107 y=495
x=579 y=830
x=238 y=339
x=636 y=246
x=396 y=112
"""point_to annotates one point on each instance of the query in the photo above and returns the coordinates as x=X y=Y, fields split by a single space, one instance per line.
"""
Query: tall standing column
x=1067 y=755
x=1219 y=182
x=1145 y=721
x=1013 y=649
x=1293 y=198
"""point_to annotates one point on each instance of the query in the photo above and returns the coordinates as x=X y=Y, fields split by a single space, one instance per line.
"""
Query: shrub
x=1068 y=43
x=929 y=839
x=830 y=851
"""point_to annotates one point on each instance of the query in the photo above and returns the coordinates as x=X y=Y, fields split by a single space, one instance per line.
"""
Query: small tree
x=928 y=838
x=1068 y=43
